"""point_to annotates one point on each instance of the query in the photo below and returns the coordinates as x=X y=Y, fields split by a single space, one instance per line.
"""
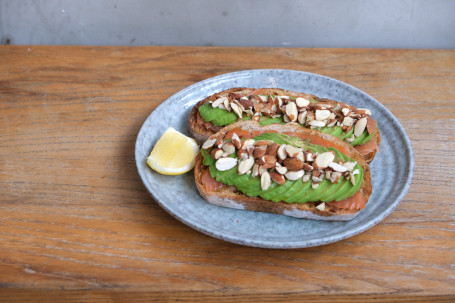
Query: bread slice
x=229 y=196
x=201 y=130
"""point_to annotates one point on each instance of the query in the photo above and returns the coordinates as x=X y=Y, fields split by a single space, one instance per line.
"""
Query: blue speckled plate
x=391 y=169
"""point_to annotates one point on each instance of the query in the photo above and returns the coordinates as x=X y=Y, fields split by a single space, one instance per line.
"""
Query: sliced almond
x=335 y=177
x=314 y=185
x=261 y=142
x=337 y=167
x=246 y=103
x=286 y=119
x=302 y=102
x=328 y=174
x=350 y=139
x=237 y=110
x=249 y=113
x=322 y=115
x=250 y=149
x=219 y=143
x=360 y=127
x=294 y=175
x=300 y=156
x=306 y=177
x=270 y=162
x=345 y=111
x=242 y=154
x=371 y=125
x=218 y=102
x=332 y=122
x=245 y=165
x=347 y=121
x=278 y=178
x=239 y=105
x=352 y=179
x=227 y=104
x=316 y=123
x=228 y=147
x=216 y=153
x=309 y=157
x=256 y=118
x=280 y=169
x=255 y=170
x=291 y=111
x=264 y=98
x=224 y=164
x=259 y=151
x=248 y=142
x=293 y=164
x=281 y=152
x=236 y=141
x=272 y=149
x=321 y=206
x=292 y=151
x=302 y=117
x=265 y=180
x=364 y=111
x=317 y=179
x=209 y=143
x=307 y=167
x=323 y=160
x=350 y=165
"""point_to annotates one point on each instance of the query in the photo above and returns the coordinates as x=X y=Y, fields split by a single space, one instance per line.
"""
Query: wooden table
x=78 y=225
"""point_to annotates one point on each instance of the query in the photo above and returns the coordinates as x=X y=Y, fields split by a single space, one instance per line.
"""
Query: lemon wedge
x=173 y=154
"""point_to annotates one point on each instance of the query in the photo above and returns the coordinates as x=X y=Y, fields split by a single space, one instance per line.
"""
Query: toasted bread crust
x=229 y=197
x=202 y=131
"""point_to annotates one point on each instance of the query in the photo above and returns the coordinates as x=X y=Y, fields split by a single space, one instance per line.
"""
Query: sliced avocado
x=296 y=186
x=299 y=196
x=218 y=116
x=273 y=194
x=269 y=120
x=353 y=189
x=335 y=190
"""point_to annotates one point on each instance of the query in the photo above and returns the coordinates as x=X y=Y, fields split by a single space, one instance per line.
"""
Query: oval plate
x=391 y=170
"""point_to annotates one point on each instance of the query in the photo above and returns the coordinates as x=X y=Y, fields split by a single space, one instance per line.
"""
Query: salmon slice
x=355 y=202
x=240 y=132
x=321 y=141
x=210 y=183
x=368 y=147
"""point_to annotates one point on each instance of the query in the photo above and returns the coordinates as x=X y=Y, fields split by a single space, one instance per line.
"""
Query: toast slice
x=270 y=107
x=229 y=196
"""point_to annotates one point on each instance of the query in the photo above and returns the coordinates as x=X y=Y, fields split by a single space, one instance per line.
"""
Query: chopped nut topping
x=279 y=162
x=310 y=114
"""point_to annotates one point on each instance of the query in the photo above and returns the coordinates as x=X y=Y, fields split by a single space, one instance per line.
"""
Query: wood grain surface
x=78 y=225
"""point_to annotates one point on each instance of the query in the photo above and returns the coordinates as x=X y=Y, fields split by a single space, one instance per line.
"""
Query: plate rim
x=273 y=244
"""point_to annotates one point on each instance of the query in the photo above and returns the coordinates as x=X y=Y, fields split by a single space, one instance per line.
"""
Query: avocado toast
x=272 y=105
x=283 y=169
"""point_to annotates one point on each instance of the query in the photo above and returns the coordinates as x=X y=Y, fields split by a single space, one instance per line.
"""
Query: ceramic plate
x=391 y=169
